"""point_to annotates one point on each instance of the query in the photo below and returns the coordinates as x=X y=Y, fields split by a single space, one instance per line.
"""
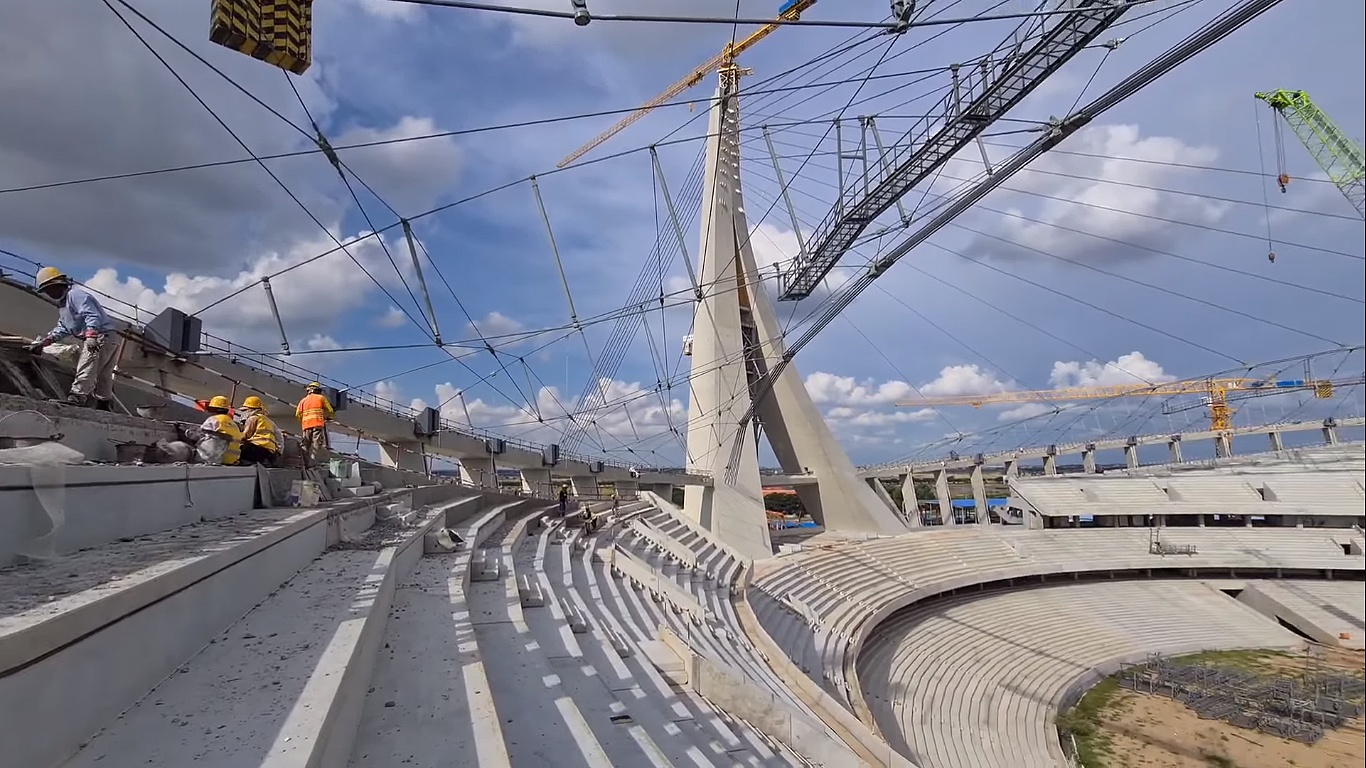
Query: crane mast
x=1339 y=156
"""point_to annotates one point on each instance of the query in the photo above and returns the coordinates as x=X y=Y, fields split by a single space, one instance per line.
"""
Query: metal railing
x=271 y=363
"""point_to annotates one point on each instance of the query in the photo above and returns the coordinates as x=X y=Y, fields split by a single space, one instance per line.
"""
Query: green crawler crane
x=1339 y=156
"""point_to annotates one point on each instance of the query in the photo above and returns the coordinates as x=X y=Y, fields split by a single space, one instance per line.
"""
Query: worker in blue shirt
x=80 y=315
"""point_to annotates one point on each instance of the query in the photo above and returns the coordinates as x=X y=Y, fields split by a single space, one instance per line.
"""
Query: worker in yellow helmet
x=221 y=441
x=260 y=438
x=80 y=315
x=313 y=412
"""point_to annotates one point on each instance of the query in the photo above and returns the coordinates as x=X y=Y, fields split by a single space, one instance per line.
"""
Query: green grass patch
x=1094 y=745
x=1251 y=660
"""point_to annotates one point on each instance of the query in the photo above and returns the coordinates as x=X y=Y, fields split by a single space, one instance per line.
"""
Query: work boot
x=80 y=401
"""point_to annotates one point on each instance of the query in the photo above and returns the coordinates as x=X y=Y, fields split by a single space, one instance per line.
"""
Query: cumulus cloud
x=247 y=318
x=633 y=416
x=498 y=328
x=409 y=175
x=393 y=317
x=868 y=404
x=1081 y=196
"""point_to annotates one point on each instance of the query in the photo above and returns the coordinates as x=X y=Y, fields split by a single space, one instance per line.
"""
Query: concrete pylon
x=736 y=340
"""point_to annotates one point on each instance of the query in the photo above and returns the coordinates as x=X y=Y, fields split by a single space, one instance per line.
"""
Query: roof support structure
x=1006 y=76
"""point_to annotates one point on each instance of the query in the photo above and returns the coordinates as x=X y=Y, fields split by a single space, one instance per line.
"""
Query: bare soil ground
x=1134 y=730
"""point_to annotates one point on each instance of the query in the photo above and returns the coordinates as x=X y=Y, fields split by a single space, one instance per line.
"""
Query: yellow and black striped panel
x=278 y=32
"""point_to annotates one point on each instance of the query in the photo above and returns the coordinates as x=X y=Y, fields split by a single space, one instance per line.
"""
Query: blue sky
x=386 y=70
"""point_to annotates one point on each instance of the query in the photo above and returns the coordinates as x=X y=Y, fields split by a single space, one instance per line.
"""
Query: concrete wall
x=93 y=433
x=53 y=510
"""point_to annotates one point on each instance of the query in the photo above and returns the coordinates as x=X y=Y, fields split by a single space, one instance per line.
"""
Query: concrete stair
x=244 y=639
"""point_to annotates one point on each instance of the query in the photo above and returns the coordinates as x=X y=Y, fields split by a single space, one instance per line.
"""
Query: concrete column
x=941 y=490
x=1174 y=448
x=1088 y=460
x=1131 y=456
x=910 y=502
x=480 y=472
x=627 y=490
x=584 y=486
x=405 y=456
x=1012 y=467
x=536 y=482
x=1050 y=465
x=1330 y=432
x=1277 y=444
x=979 y=496
x=664 y=491
x=881 y=490
x=1223 y=446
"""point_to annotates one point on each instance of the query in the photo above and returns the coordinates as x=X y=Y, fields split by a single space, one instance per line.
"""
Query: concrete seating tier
x=819 y=602
x=1330 y=612
x=90 y=633
x=1316 y=493
x=976 y=679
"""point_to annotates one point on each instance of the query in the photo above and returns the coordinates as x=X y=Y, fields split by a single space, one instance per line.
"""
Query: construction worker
x=616 y=500
x=260 y=438
x=222 y=439
x=80 y=315
x=314 y=412
x=564 y=499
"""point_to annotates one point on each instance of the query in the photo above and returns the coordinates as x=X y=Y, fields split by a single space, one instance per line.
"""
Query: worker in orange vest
x=313 y=412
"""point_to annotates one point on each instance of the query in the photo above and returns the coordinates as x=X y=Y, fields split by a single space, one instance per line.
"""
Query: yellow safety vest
x=223 y=424
x=264 y=436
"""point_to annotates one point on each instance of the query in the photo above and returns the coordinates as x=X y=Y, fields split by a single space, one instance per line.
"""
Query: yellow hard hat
x=314 y=385
x=253 y=402
x=219 y=401
x=49 y=275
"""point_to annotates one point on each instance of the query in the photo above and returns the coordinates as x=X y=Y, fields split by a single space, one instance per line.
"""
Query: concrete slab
x=52 y=511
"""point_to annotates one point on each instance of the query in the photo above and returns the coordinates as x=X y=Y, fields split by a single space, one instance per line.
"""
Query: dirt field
x=1118 y=728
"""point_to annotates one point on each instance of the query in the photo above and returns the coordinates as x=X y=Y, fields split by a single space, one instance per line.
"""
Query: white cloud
x=1081 y=199
x=1022 y=412
x=247 y=318
x=1132 y=368
x=633 y=416
x=965 y=380
x=388 y=9
x=393 y=317
x=498 y=328
x=409 y=175
x=322 y=343
x=389 y=390
x=862 y=405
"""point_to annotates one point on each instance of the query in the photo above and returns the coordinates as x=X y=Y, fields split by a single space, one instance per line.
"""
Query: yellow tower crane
x=791 y=10
x=1215 y=394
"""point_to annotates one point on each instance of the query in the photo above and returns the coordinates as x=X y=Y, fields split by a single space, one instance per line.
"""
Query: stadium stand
x=976 y=679
x=1328 y=498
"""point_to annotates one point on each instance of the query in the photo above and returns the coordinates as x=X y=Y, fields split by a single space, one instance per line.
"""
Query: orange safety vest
x=313 y=411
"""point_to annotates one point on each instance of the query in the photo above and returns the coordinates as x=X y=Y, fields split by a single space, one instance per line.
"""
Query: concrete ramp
x=1329 y=612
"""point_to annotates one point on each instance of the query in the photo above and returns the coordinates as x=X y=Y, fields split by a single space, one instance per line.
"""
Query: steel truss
x=1009 y=73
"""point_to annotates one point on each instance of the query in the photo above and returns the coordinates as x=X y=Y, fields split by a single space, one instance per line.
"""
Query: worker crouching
x=313 y=412
x=261 y=440
x=221 y=438
x=80 y=315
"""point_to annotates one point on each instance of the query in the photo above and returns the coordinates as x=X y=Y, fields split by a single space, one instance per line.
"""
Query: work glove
x=35 y=347
x=93 y=340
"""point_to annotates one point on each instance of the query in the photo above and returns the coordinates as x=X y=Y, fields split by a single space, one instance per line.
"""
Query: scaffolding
x=1297 y=708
